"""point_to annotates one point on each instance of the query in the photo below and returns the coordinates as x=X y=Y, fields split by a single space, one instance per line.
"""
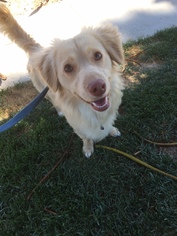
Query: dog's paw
x=115 y=132
x=60 y=113
x=88 y=153
x=88 y=148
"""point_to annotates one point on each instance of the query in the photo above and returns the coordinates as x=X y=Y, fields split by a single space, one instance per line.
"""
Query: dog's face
x=84 y=68
x=83 y=65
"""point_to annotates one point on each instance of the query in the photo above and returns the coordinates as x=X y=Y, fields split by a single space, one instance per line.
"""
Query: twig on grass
x=49 y=211
x=129 y=60
x=53 y=168
x=134 y=61
x=156 y=143
x=39 y=7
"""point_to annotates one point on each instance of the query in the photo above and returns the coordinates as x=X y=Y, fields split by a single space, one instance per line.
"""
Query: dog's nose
x=97 y=88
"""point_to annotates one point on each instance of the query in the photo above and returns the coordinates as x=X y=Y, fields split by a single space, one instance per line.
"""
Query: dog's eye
x=68 y=68
x=97 y=56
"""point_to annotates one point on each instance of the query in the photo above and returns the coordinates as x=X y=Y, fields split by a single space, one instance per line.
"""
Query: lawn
x=47 y=186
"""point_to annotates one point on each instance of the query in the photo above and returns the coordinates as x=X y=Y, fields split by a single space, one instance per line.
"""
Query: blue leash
x=24 y=112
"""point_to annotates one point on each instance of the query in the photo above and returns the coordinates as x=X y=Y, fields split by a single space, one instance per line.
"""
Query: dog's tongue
x=101 y=104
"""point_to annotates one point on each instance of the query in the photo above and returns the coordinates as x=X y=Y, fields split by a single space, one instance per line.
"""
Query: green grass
x=106 y=194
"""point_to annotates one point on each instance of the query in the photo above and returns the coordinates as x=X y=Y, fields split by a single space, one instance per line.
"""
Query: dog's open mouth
x=101 y=104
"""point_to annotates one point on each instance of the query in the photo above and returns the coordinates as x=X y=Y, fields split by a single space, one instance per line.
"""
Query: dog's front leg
x=114 y=132
x=88 y=148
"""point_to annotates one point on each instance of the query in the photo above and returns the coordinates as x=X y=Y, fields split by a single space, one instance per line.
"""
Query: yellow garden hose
x=137 y=161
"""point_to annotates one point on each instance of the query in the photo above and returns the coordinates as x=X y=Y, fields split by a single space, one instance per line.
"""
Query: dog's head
x=83 y=65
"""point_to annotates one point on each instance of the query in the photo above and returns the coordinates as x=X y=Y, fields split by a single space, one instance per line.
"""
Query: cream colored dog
x=82 y=74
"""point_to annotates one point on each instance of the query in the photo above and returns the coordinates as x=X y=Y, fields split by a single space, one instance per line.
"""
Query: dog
x=82 y=73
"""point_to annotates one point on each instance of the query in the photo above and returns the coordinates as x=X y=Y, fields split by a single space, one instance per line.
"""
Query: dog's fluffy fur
x=81 y=73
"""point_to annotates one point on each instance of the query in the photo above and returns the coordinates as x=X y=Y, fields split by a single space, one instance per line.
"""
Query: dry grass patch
x=15 y=98
x=134 y=51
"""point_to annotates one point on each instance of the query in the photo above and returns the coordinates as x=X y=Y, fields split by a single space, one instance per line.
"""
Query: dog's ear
x=109 y=36
x=48 y=70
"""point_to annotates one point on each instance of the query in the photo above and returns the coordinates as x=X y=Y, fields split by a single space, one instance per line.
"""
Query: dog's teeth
x=98 y=106
x=94 y=104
